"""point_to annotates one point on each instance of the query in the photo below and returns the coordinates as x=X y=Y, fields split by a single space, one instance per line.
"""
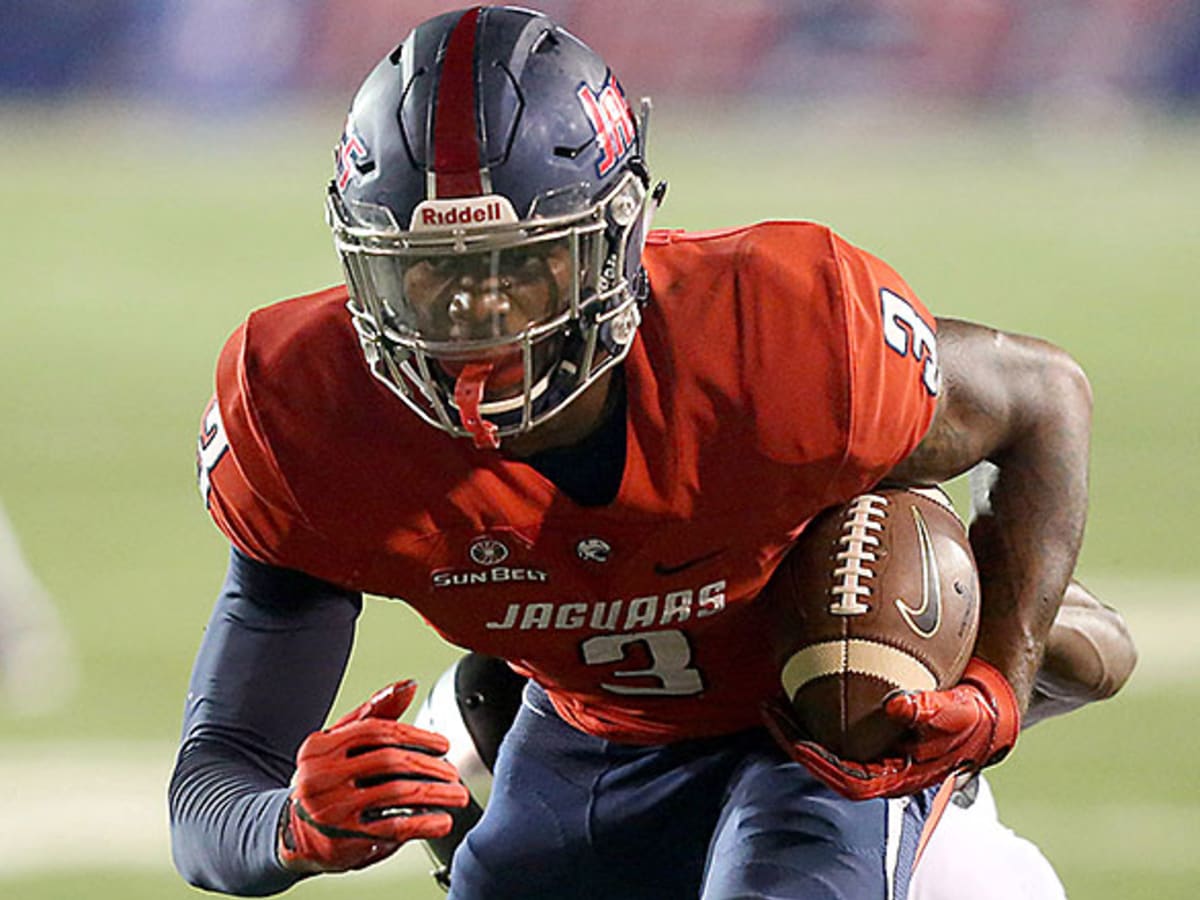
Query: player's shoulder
x=292 y=391
x=288 y=373
x=304 y=348
x=794 y=229
x=305 y=308
x=274 y=333
x=769 y=262
x=797 y=239
x=796 y=304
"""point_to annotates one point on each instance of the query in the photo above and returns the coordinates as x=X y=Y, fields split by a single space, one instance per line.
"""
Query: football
x=878 y=595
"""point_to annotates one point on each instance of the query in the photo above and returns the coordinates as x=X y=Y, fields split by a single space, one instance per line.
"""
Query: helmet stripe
x=456 y=158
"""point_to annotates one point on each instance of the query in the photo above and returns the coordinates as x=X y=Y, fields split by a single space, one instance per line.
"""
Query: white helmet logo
x=463 y=212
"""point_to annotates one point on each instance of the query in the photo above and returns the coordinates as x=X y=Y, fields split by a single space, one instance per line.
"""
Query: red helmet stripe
x=456 y=158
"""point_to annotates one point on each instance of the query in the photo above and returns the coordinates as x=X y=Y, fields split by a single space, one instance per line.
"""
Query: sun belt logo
x=463 y=212
x=489 y=553
x=611 y=119
x=350 y=156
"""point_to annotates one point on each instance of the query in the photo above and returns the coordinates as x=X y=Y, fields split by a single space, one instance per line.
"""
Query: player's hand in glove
x=366 y=785
x=965 y=728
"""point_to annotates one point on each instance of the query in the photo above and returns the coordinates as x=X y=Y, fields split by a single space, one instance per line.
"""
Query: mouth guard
x=468 y=395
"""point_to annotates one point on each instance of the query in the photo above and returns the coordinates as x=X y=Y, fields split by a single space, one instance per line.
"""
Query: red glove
x=964 y=728
x=365 y=786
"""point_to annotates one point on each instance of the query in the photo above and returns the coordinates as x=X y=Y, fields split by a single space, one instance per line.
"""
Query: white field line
x=114 y=793
x=100 y=805
x=1164 y=618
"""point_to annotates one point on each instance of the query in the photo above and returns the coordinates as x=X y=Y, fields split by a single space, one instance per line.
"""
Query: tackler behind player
x=583 y=448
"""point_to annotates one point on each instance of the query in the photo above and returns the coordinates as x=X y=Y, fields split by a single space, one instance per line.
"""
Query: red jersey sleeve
x=836 y=359
x=242 y=484
x=891 y=350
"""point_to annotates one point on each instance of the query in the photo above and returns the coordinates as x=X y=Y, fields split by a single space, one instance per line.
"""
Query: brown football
x=878 y=595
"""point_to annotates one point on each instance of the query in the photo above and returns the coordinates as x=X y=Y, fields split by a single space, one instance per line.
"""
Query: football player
x=582 y=447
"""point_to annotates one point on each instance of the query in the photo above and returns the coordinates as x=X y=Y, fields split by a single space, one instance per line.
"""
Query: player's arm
x=265 y=676
x=260 y=796
x=1089 y=652
x=1024 y=406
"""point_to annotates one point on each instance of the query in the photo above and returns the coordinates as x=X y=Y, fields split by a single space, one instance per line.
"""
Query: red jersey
x=778 y=371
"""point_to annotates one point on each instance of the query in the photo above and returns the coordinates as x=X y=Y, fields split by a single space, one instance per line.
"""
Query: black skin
x=1025 y=406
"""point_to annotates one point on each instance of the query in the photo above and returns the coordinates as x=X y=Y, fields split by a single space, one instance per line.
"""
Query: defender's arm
x=1089 y=656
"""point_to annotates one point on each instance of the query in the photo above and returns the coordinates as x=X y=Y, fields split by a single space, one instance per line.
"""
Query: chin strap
x=468 y=394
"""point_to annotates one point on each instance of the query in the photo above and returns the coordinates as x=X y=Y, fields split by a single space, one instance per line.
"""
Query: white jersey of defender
x=972 y=854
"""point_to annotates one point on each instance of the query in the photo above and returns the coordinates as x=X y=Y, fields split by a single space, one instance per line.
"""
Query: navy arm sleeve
x=265 y=677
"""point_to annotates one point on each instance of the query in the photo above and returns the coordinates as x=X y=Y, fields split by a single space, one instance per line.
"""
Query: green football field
x=133 y=244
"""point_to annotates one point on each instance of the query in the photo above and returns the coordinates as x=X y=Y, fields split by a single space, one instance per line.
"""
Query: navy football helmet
x=490 y=204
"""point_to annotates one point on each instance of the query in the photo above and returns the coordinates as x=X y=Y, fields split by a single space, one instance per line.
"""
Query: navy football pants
x=573 y=817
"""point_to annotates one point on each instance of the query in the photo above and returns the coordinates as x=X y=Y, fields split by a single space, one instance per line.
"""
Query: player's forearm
x=1089 y=656
x=265 y=677
x=1027 y=535
x=224 y=820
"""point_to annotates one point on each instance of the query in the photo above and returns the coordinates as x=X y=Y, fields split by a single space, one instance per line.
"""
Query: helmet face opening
x=543 y=302
x=521 y=270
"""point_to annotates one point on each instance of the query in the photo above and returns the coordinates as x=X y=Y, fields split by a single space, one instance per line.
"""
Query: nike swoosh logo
x=926 y=618
x=661 y=569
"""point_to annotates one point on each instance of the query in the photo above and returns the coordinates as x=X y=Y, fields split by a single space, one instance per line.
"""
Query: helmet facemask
x=487 y=324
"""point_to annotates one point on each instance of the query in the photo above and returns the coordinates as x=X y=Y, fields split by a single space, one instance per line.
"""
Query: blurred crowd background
x=226 y=54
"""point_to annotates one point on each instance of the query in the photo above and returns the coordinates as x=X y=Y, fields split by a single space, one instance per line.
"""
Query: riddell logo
x=461 y=215
x=473 y=212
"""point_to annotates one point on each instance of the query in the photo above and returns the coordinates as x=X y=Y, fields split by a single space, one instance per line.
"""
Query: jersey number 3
x=908 y=334
x=670 y=655
x=212 y=446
